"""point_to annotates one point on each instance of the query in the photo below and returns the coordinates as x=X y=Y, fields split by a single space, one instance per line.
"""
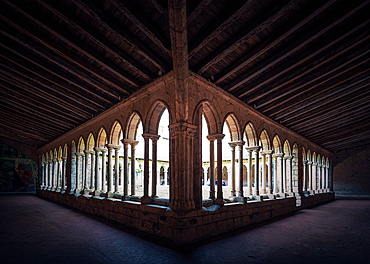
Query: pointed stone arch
x=314 y=157
x=287 y=150
x=276 y=143
x=115 y=133
x=102 y=138
x=265 y=140
x=132 y=125
x=81 y=145
x=90 y=144
x=309 y=158
x=304 y=157
x=323 y=161
x=233 y=126
x=250 y=135
x=206 y=109
x=154 y=117
x=65 y=150
x=73 y=146
x=60 y=152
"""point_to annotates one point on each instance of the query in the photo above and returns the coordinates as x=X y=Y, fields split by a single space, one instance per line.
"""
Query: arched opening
x=116 y=137
x=277 y=164
x=251 y=144
x=295 y=168
x=163 y=155
x=102 y=173
x=73 y=166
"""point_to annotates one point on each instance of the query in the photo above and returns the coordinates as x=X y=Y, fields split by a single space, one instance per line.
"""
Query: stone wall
x=186 y=227
x=351 y=172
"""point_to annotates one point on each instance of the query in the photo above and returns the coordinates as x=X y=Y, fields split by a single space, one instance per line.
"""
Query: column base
x=146 y=200
x=96 y=193
x=219 y=201
x=77 y=191
x=233 y=194
x=290 y=194
x=239 y=198
x=257 y=198
x=125 y=198
x=117 y=195
x=109 y=194
x=248 y=198
x=270 y=196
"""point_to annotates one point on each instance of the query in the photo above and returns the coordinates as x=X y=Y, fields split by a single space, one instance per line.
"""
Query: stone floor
x=33 y=230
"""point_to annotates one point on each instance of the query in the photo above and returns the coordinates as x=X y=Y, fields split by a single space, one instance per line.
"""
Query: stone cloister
x=222 y=167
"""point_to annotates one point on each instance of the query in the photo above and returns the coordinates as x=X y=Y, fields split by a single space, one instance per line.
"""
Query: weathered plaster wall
x=352 y=172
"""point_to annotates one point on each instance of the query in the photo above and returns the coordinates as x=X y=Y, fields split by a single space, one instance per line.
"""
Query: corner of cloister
x=184 y=166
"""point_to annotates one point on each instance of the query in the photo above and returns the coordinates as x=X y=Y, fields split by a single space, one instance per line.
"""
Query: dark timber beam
x=243 y=78
x=144 y=28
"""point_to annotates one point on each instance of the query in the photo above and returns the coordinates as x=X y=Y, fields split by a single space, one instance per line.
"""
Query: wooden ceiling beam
x=257 y=27
x=130 y=41
x=63 y=53
x=288 y=51
x=144 y=28
x=358 y=140
x=20 y=131
x=70 y=41
x=55 y=75
x=48 y=88
x=19 y=138
x=258 y=91
x=334 y=80
x=340 y=133
x=333 y=75
x=199 y=9
x=321 y=99
x=37 y=106
x=227 y=18
x=95 y=38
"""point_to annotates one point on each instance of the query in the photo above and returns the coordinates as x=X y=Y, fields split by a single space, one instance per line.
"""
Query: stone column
x=86 y=178
x=249 y=172
x=64 y=173
x=211 y=167
x=327 y=178
x=83 y=173
x=309 y=164
x=269 y=173
x=263 y=164
x=314 y=179
x=319 y=187
x=110 y=171
x=256 y=171
x=55 y=176
x=42 y=175
x=304 y=176
x=280 y=173
x=323 y=178
x=182 y=181
x=104 y=170
x=98 y=176
x=116 y=168
x=133 y=161
x=290 y=176
x=146 y=199
x=92 y=170
x=233 y=191
x=240 y=144
x=125 y=169
x=78 y=187
x=220 y=199
x=284 y=174
x=58 y=169
x=154 y=139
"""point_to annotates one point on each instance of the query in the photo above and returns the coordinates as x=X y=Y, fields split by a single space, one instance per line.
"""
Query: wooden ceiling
x=303 y=63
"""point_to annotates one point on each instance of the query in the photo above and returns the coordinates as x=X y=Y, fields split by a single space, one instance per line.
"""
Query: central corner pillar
x=181 y=166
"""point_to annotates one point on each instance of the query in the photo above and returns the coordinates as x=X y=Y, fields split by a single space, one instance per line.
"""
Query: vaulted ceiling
x=303 y=63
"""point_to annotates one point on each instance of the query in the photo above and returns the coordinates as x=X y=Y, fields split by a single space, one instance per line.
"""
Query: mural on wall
x=18 y=173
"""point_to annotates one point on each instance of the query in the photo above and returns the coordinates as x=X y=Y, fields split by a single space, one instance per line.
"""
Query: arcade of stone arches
x=132 y=162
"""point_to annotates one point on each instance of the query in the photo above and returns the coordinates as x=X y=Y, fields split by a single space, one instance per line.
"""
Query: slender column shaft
x=98 y=176
x=104 y=170
x=323 y=177
x=78 y=187
x=314 y=176
x=249 y=178
x=125 y=168
x=219 y=168
x=110 y=170
x=212 y=169
x=42 y=174
x=309 y=164
x=290 y=174
x=327 y=178
x=263 y=164
x=83 y=162
x=284 y=174
x=59 y=170
x=320 y=177
x=86 y=170
x=233 y=192
x=241 y=169
x=276 y=175
x=92 y=170
x=116 y=170
x=269 y=173
x=64 y=173
x=305 y=175
x=154 y=165
x=256 y=171
x=133 y=161
x=55 y=174
x=281 y=173
x=146 y=166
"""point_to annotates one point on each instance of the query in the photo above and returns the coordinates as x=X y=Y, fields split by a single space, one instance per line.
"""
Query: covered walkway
x=33 y=230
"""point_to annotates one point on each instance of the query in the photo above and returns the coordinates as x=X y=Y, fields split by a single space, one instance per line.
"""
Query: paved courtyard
x=33 y=230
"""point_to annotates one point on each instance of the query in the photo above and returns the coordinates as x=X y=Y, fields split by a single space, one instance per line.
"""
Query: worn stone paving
x=33 y=230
